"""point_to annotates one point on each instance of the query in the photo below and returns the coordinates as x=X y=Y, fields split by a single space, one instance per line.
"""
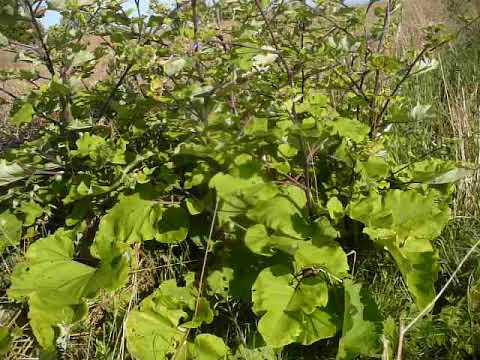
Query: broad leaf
x=349 y=128
x=31 y=211
x=88 y=145
x=282 y=213
x=259 y=242
x=53 y=284
x=173 y=227
x=328 y=257
x=24 y=115
x=405 y=223
x=280 y=298
x=362 y=324
x=433 y=171
x=10 y=230
x=208 y=347
x=155 y=330
x=131 y=220
x=174 y=66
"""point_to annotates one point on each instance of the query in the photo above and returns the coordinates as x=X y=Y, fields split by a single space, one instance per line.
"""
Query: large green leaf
x=157 y=329
x=259 y=242
x=362 y=324
x=239 y=191
x=208 y=347
x=282 y=213
x=292 y=310
x=349 y=128
x=131 y=220
x=10 y=230
x=173 y=226
x=328 y=257
x=88 y=145
x=405 y=223
x=31 y=211
x=24 y=115
x=53 y=284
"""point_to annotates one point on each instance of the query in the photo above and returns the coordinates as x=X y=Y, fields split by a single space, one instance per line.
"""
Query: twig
x=402 y=80
x=306 y=162
x=195 y=25
x=48 y=59
x=8 y=93
x=274 y=40
x=380 y=49
x=114 y=91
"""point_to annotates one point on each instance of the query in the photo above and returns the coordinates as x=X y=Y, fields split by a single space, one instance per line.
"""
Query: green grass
x=451 y=131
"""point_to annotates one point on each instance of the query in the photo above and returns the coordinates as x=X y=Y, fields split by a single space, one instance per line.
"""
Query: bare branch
x=40 y=35
x=114 y=91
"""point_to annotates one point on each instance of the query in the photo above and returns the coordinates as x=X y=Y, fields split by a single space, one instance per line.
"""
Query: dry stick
x=401 y=339
x=202 y=275
x=432 y=303
x=204 y=265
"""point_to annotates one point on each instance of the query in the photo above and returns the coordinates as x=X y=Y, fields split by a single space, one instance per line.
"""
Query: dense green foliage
x=249 y=137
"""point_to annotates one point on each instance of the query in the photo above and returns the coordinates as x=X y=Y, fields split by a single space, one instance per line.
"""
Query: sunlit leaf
x=54 y=285
x=10 y=230
x=24 y=115
x=279 y=300
x=362 y=324
x=405 y=223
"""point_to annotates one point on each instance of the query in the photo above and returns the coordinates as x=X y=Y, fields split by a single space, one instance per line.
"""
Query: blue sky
x=53 y=17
